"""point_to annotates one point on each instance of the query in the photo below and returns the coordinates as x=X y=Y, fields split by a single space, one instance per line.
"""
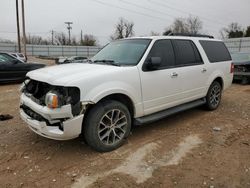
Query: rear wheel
x=213 y=97
x=106 y=126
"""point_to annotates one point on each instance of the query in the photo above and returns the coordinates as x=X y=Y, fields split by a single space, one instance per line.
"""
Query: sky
x=98 y=17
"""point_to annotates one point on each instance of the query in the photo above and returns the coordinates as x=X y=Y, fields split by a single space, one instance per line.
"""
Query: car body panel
x=16 y=70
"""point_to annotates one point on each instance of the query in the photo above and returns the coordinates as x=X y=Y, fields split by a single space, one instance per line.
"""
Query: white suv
x=129 y=82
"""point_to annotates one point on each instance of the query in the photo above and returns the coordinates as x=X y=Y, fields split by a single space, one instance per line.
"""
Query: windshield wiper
x=108 y=62
x=86 y=61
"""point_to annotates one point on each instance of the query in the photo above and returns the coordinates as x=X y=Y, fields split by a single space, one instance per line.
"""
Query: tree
x=153 y=33
x=167 y=32
x=190 y=25
x=6 y=41
x=89 y=40
x=179 y=26
x=37 y=40
x=247 y=33
x=60 y=38
x=194 y=25
x=123 y=29
x=234 y=30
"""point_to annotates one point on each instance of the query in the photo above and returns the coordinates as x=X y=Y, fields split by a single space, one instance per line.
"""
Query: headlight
x=24 y=84
x=52 y=100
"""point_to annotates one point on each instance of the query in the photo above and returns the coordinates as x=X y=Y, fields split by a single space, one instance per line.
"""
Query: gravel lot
x=195 y=148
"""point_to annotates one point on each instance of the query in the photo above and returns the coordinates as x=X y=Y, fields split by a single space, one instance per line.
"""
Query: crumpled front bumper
x=71 y=127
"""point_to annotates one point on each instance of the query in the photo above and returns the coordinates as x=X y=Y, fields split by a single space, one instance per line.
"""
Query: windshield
x=123 y=52
x=5 y=58
x=240 y=57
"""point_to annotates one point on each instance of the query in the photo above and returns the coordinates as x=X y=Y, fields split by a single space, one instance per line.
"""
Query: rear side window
x=216 y=51
x=186 y=53
x=164 y=50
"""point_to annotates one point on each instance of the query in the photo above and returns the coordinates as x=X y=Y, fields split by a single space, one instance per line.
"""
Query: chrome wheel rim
x=215 y=96
x=112 y=127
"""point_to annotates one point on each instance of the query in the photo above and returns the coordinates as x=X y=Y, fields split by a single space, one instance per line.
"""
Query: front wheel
x=213 y=97
x=106 y=126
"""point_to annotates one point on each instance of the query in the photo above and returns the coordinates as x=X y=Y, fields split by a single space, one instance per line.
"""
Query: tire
x=244 y=80
x=213 y=97
x=107 y=125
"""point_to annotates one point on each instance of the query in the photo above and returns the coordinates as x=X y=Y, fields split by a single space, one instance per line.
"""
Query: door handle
x=174 y=75
x=204 y=70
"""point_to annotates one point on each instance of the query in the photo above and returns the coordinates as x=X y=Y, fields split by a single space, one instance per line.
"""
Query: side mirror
x=153 y=63
x=15 y=61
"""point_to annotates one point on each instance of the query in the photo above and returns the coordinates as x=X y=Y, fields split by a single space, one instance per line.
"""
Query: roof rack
x=190 y=35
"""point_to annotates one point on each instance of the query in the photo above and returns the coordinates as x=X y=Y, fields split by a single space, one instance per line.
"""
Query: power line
x=146 y=8
x=185 y=12
x=153 y=10
x=133 y=11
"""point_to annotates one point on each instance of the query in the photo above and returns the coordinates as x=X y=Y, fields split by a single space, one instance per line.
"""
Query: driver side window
x=164 y=50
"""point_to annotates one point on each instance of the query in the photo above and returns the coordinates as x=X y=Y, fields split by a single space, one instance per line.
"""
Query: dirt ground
x=195 y=148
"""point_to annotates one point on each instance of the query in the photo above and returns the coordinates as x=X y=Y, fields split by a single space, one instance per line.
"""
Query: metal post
x=69 y=28
x=52 y=37
x=18 y=27
x=240 y=45
x=24 y=34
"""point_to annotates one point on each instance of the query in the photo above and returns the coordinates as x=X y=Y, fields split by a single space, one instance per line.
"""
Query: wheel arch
x=120 y=97
x=220 y=80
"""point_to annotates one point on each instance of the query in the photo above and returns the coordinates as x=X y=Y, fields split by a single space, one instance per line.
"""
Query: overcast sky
x=98 y=17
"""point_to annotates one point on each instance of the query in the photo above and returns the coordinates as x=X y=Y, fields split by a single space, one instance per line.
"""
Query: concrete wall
x=52 y=50
x=238 y=44
x=234 y=45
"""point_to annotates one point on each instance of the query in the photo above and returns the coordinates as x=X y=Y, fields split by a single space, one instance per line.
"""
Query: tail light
x=232 y=68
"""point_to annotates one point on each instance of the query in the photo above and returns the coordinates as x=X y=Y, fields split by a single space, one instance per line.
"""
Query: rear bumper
x=247 y=74
x=54 y=128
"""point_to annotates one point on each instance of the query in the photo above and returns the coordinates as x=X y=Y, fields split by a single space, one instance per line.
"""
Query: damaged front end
x=52 y=111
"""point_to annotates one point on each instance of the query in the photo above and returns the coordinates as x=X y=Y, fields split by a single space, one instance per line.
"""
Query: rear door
x=191 y=70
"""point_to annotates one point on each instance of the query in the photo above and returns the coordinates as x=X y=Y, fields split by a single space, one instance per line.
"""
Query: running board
x=165 y=113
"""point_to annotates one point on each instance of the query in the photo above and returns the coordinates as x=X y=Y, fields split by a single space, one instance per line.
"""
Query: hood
x=70 y=74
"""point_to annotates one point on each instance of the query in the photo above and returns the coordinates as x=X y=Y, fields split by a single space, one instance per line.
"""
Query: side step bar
x=162 y=114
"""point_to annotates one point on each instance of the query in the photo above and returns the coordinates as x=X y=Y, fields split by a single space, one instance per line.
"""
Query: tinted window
x=216 y=51
x=186 y=53
x=4 y=58
x=123 y=52
x=164 y=50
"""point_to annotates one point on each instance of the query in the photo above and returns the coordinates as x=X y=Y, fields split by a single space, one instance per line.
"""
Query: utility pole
x=52 y=37
x=18 y=27
x=24 y=34
x=81 y=38
x=69 y=28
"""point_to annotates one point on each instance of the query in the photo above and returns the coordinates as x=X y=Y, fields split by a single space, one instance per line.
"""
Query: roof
x=174 y=37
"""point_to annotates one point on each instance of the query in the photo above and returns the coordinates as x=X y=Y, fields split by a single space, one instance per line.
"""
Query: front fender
x=116 y=87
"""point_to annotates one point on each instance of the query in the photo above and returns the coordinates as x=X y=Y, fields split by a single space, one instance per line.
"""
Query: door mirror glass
x=15 y=61
x=153 y=63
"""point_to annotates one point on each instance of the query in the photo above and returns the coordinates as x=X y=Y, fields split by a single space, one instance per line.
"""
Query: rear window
x=216 y=51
